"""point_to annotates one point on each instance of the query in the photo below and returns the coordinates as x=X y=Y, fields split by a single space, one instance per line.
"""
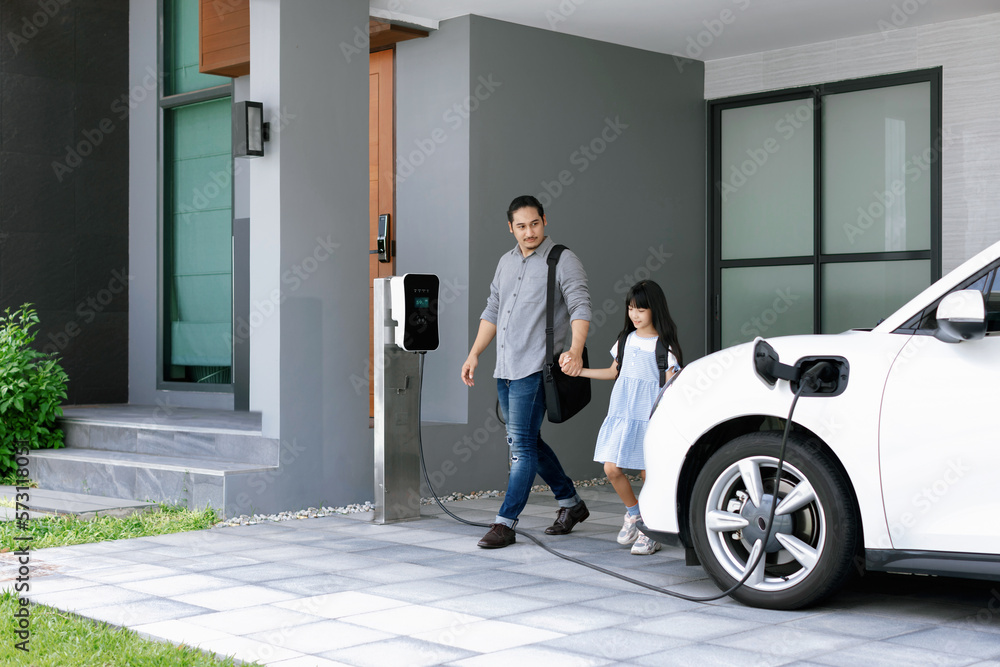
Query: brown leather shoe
x=567 y=518
x=499 y=536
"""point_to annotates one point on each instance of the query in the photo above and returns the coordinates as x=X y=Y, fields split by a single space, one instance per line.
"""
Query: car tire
x=814 y=540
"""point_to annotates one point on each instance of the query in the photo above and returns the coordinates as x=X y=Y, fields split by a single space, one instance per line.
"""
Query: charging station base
x=397 y=418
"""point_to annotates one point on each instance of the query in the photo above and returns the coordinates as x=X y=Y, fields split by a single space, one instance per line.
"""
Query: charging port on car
x=831 y=375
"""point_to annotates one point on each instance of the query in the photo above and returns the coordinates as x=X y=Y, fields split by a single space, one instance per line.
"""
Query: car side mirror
x=961 y=316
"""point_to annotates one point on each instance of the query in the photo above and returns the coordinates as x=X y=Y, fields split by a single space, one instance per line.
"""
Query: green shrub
x=32 y=389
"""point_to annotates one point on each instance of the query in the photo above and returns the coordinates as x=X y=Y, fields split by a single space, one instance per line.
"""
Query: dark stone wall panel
x=38 y=41
x=34 y=200
x=64 y=184
x=101 y=197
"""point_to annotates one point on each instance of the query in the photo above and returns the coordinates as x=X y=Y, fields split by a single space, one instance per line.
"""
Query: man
x=515 y=315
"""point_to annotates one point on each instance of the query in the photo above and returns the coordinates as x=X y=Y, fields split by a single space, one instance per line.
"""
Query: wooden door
x=381 y=181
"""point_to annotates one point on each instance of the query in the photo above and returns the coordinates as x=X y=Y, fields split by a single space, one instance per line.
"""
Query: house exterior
x=133 y=201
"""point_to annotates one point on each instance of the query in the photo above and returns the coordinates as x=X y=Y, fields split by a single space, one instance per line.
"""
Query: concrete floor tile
x=415 y=618
x=887 y=654
x=567 y=619
x=495 y=579
x=980 y=645
x=128 y=573
x=151 y=610
x=405 y=553
x=52 y=583
x=251 y=620
x=491 y=604
x=695 y=626
x=641 y=606
x=178 y=584
x=708 y=655
x=531 y=655
x=621 y=643
x=561 y=592
x=181 y=632
x=308 y=661
x=249 y=650
x=398 y=651
x=319 y=637
x=785 y=642
x=235 y=597
x=337 y=605
x=317 y=584
x=339 y=561
x=89 y=597
x=858 y=625
x=487 y=635
x=219 y=561
x=263 y=572
x=395 y=572
x=289 y=552
x=422 y=591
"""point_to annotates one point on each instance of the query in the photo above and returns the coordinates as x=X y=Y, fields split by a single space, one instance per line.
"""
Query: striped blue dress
x=623 y=430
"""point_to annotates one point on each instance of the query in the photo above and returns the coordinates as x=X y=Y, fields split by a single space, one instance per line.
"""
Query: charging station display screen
x=422 y=302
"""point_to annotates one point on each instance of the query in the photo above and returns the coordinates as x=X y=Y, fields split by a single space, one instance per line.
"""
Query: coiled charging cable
x=810 y=380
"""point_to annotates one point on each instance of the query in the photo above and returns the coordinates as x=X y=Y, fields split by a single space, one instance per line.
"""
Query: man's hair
x=522 y=202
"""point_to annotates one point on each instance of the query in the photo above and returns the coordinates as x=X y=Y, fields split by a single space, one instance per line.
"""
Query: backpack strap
x=661 y=359
x=621 y=353
x=550 y=289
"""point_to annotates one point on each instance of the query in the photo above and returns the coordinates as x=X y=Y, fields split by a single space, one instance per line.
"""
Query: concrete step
x=181 y=432
x=190 y=481
x=46 y=502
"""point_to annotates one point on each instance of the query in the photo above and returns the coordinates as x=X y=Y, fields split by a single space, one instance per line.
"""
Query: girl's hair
x=647 y=294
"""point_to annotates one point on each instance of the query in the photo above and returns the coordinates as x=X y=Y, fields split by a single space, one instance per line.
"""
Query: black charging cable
x=810 y=379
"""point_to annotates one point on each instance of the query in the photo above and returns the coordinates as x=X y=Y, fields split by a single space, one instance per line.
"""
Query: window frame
x=164 y=104
x=817 y=259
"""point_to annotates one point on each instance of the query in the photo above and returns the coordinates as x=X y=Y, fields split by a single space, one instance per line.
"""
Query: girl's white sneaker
x=629 y=531
x=644 y=546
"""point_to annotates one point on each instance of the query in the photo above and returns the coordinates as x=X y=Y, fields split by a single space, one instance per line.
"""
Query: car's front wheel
x=814 y=536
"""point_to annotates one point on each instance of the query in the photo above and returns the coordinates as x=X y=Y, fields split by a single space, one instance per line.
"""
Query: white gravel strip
x=367 y=506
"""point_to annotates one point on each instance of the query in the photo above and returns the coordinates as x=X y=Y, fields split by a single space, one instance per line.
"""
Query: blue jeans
x=523 y=405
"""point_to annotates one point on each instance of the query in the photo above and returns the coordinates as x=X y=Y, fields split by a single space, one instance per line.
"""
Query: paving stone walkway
x=344 y=591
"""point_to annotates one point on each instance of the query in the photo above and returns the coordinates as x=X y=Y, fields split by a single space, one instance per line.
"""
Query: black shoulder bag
x=564 y=395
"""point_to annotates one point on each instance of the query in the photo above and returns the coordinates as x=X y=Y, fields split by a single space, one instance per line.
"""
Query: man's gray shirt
x=516 y=306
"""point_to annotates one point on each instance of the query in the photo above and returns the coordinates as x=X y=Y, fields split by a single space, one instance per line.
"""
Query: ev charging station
x=405 y=312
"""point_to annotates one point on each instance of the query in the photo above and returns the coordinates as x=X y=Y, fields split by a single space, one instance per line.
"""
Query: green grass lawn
x=61 y=639
x=61 y=531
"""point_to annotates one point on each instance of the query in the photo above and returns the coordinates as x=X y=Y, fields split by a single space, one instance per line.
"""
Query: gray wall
x=309 y=243
x=63 y=184
x=432 y=197
x=537 y=103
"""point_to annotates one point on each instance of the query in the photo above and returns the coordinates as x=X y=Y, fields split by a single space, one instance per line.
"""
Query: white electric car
x=891 y=465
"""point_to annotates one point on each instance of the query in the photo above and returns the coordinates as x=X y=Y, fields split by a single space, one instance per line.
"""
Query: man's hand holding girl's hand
x=571 y=363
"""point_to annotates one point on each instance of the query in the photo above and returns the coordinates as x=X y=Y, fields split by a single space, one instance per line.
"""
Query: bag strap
x=661 y=360
x=622 y=339
x=550 y=290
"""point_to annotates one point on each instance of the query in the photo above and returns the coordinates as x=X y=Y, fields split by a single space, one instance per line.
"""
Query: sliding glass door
x=825 y=205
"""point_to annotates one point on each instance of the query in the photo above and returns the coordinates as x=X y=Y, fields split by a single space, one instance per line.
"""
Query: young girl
x=637 y=375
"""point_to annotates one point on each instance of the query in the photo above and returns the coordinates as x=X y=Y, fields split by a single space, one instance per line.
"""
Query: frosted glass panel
x=766 y=301
x=859 y=294
x=876 y=170
x=198 y=182
x=766 y=184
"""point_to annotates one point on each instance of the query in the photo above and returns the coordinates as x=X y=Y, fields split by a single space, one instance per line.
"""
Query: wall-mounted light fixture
x=249 y=129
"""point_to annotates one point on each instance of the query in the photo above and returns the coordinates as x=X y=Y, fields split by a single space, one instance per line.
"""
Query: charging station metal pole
x=397 y=418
